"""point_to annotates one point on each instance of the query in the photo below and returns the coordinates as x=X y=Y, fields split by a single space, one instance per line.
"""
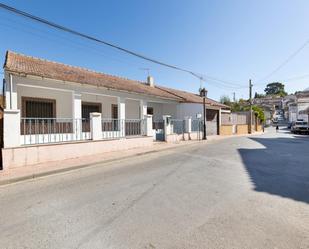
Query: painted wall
x=63 y=92
x=189 y=110
x=63 y=99
x=157 y=110
x=105 y=101
x=132 y=109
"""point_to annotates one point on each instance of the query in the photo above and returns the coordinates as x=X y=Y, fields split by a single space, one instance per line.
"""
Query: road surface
x=238 y=192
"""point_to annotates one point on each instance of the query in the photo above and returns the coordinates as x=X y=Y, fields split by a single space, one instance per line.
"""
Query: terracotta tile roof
x=188 y=97
x=23 y=64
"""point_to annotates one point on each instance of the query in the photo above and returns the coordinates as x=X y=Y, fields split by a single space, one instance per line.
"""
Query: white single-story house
x=52 y=103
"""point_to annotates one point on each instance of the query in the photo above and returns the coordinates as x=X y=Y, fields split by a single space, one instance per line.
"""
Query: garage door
x=212 y=122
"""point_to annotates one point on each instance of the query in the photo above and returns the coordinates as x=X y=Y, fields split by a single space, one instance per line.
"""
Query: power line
x=77 y=33
x=65 y=42
x=140 y=56
x=223 y=81
x=290 y=79
x=286 y=61
x=297 y=78
x=51 y=37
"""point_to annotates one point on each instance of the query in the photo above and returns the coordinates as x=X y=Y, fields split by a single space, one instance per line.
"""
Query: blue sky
x=226 y=39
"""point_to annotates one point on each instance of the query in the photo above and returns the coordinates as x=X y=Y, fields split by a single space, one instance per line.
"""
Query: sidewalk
x=39 y=170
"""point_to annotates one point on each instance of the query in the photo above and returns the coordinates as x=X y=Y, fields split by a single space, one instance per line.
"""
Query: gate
x=212 y=122
x=158 y=126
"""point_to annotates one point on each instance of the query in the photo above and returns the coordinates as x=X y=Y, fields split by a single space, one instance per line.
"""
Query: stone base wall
x=29 y=155
x=242 y=129
x=226 y=130
x=259 y=128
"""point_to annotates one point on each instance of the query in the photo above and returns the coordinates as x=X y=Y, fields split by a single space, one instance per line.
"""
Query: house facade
x=298 y=106
x=53 y=103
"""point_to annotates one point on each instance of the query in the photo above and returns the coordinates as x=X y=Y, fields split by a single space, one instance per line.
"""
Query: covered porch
x=47 y=113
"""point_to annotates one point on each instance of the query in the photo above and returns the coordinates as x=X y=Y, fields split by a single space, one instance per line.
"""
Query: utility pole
x=234 y=98
x=203 y=94
x=250 y=100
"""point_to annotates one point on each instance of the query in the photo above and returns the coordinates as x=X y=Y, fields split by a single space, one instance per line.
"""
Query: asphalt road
x=235 y=193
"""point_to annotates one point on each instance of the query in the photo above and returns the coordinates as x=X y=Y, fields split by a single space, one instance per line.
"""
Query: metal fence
x=196 y=125
x=178 y=126
x=134 y=127
x=53 y=130
x=120 y=128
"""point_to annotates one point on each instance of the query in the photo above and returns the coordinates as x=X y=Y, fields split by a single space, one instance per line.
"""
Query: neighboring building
x=269 y=101
x=297 y=106
x=272 y=106
x=49 y=102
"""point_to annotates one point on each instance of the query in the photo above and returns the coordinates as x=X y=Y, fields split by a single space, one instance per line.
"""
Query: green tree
x=275 y=88
x=259 y=113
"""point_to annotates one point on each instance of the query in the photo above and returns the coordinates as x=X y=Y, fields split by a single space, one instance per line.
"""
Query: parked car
x=300 y=127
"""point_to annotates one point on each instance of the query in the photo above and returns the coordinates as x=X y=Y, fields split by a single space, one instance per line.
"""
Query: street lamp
x=203 y=94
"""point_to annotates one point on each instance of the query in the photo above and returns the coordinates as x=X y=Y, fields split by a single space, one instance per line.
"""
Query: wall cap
x=14 y=111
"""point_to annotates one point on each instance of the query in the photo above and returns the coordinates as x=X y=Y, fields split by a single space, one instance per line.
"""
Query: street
x=239 y=192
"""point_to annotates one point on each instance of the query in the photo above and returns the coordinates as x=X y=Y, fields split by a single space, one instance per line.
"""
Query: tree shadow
x=281 y=168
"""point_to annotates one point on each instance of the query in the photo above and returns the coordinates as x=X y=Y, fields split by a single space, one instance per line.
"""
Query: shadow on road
x=281 y=168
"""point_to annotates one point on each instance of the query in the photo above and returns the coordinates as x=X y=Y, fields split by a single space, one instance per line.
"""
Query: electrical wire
x=86 y=36
x=91 y=38
x=286 y=61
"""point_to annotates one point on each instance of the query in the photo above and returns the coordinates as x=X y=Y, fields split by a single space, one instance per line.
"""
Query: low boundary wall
x=226 y=130
x=29 y=155
x=174 y=138
x=242 y=129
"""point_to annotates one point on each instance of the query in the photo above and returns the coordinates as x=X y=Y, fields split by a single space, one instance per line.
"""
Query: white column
x=11 y=128
x=188 y=122
x=167 y=126
x=10 y=93
x=143 y=109
x=122 y=115
x=148 y=126
x=77 y=114
x=96 y=126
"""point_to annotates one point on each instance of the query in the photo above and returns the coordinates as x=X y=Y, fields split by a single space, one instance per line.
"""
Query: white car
x=300 y=127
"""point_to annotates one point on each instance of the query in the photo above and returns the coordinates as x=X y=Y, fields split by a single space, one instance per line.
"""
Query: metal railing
x=120 y=128
x=178 y=126
x=133 y=127
x=53 y=130
x=196 y=125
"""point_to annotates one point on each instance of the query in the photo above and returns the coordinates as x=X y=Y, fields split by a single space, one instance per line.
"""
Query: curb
x=81 y=166
x=94 y=164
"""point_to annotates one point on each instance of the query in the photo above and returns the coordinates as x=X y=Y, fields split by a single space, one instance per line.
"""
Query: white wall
x=132 y=109
x=170 y=109
x=105 y=101
x=160 y=109
x=157 y=110
x=62 y=92
x=189 y=110
x=83 y=88
x=302 y=105
x=63 y=99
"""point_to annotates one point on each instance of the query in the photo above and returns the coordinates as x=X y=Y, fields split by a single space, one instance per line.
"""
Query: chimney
x=150 y=81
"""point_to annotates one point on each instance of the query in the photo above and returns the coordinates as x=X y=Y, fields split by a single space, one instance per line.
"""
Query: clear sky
x=232 y=40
